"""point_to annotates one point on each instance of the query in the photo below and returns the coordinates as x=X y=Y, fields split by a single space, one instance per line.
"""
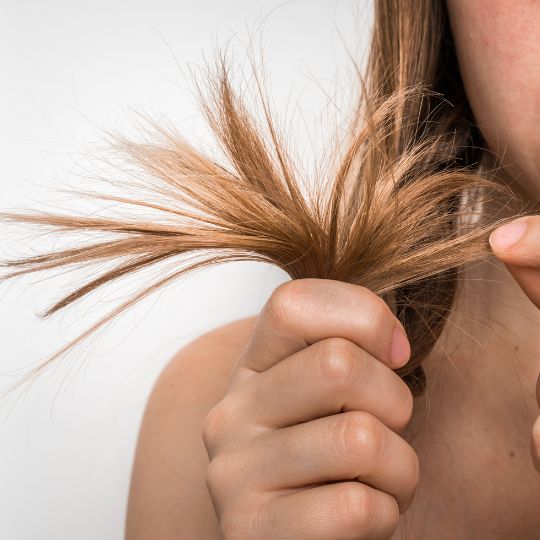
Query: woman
x=293 y=424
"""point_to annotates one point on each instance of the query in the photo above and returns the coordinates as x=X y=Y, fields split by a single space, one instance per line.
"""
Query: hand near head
x=517 y=244
x=306 y=442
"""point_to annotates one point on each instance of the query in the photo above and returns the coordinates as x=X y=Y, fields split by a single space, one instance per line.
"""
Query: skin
x=292 y=424
x=498 y=48
x=303 y=406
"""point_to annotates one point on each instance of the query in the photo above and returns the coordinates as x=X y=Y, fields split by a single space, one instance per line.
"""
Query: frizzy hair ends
x=392 y=208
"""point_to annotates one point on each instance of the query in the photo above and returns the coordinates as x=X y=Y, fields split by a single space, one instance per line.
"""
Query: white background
x=67 y=69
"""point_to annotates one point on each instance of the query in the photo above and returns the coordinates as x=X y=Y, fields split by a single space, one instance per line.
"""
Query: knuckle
x=216 y=422
x=358 y=508
x=337 y=359
x=377 y=309
x=392 y=514
x=360 y=437
x=210 y=428
x=220 y=475
x=413 y=477
x=284 y=300
x=405 y=410
x=370 y=295
x=381 y=315
x=217 y=474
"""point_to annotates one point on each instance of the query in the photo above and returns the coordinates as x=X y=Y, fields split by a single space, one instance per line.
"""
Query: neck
x=494 y=329
x=479 y=406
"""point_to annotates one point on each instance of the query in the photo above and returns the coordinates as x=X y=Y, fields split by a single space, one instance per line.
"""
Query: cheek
x=498 y=48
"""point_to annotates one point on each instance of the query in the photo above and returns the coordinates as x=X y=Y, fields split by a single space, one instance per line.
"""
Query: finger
x=303 y=311
x=538 y=390
x=347 y=446
x=340 y=511
x=328 y=377
x=535 y=444
x=517 y=244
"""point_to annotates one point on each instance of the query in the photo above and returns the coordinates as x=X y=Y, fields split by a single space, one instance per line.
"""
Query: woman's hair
x=393 y=206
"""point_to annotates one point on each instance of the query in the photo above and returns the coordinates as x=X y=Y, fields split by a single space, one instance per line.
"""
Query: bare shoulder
x=199 y=372
x=168 y=496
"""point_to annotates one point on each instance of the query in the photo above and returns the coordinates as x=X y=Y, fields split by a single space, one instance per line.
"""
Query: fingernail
x=400 y=350
x=508 y=235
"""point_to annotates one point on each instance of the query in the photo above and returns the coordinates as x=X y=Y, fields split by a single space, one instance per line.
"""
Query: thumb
x=517 y=244
x=535 y=444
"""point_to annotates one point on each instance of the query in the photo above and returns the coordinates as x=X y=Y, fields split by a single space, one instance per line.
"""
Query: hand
x=517 y=244
x=305 y=442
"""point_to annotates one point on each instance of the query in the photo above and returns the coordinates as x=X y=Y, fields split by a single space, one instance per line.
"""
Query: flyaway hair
x=392 y=209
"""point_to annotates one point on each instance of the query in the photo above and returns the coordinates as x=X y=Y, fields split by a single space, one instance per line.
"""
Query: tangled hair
x=393 y=208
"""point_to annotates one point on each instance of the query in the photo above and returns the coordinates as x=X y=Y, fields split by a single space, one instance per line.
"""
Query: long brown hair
x=390 y=209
